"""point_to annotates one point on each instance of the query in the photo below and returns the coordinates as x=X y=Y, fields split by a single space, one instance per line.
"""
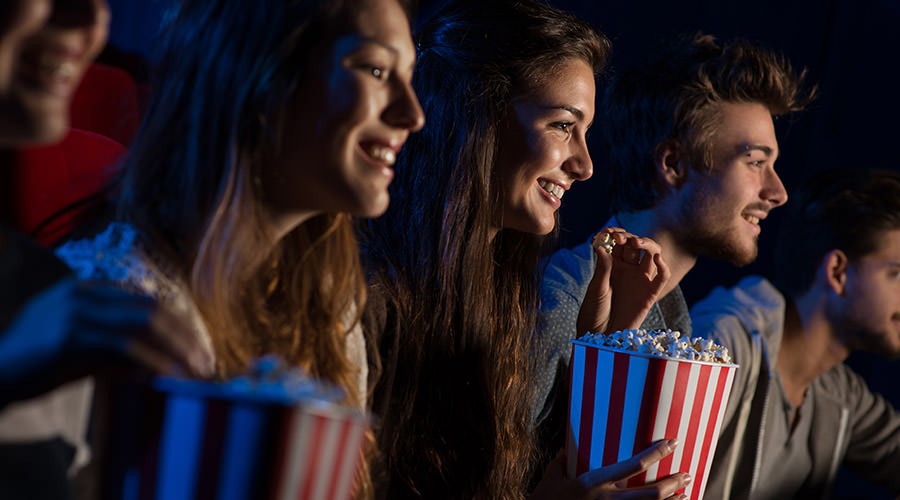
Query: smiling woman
x=272 y=123
x=237 y=190
x=348 y=124
x=508 y=89
x=543 y=149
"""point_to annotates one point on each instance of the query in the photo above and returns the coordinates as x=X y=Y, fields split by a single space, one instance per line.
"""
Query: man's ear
x=834 y=268
x=671 y=164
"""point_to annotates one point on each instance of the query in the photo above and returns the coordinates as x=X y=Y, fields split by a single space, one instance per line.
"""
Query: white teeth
x=56 y=68
x=554 y=189
x=381 y=153
x=751 y=219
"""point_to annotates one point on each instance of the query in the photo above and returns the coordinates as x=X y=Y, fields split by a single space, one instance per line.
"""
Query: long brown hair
x=464 y=301
x=192 y=188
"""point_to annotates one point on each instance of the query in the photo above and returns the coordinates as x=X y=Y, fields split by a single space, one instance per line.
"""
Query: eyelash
x=564 y=126
x=377 y=72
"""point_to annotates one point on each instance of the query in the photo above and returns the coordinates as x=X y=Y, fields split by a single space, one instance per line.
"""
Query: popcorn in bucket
x=631 y=389
x=276 y=434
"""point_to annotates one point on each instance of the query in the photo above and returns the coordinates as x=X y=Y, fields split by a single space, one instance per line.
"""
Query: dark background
x=849 y=47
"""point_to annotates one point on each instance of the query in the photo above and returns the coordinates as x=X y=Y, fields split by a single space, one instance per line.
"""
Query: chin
x=372 y=209
x=749 y=254
x=742 y=258
x=540 y=229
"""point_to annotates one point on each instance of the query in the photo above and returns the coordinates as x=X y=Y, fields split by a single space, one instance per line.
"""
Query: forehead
x=571 y=84
x=380 y=20
x=744 y=124
x=887 y=246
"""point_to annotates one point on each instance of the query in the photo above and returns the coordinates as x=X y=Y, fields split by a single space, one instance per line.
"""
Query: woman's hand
x=73 y=329
x=609 y=482
x=628 y=279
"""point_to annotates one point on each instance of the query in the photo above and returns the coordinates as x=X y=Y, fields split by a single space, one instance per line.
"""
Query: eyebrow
x=746 y=148
x=380 y=43
x=571 y=109
x=389 y=48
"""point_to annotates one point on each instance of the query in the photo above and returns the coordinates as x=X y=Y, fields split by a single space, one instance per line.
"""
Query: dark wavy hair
x=677 y=96
x=465 y=302
x=845 y=209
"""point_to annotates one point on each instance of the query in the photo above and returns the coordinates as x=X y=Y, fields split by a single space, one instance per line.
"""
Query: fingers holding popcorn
x=628 y=279
x=637 y=279
x=607 y=239
x=624 y=246
x=595 y=308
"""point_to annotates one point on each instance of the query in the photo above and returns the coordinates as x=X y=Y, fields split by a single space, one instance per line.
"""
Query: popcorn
x=632 y=388
x=275 y=430
x=662 y=343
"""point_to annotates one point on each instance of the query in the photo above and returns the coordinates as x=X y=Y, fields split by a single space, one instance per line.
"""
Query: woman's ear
x=834 y=268
x=670 y=164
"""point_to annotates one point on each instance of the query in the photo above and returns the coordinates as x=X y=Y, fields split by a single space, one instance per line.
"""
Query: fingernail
x=687 y=479
x=672 y=444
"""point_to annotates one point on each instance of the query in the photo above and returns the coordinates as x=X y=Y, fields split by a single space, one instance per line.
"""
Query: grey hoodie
x=850 y=426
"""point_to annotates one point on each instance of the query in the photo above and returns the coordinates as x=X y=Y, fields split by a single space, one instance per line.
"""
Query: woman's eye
x=564 y=126
x=377 y=72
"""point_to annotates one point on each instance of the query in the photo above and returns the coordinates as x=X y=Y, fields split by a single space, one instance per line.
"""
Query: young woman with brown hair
x=508 y=88
x=272 y=123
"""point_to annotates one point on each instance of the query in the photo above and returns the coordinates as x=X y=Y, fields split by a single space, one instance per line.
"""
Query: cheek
x=876 y=302
x=541 y=155
x=350 y=103
x=322 y=116
x=100 y=32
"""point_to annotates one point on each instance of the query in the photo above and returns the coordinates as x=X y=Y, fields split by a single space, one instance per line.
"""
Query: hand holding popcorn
x=628 y=279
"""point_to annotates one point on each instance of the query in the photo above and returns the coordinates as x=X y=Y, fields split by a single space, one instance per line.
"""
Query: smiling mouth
x=752 y=219
x=381 y=154
x=554 y=189
x=56 y=68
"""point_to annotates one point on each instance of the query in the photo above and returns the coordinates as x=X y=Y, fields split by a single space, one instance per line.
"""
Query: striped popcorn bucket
x=189 y=440
x=621 y=402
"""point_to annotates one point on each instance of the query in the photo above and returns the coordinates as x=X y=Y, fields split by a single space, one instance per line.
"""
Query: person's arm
x=712 y=319
x=563 y=285
x=717 y=317
x=873 y=449
x=74 y=329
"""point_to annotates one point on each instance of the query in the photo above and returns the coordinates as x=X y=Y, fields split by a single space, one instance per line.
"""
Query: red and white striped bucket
x=182 y=443
x=621 y=402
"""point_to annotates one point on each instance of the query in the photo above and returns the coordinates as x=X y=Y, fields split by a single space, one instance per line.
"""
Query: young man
x=796 y=412
x=693 y=149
